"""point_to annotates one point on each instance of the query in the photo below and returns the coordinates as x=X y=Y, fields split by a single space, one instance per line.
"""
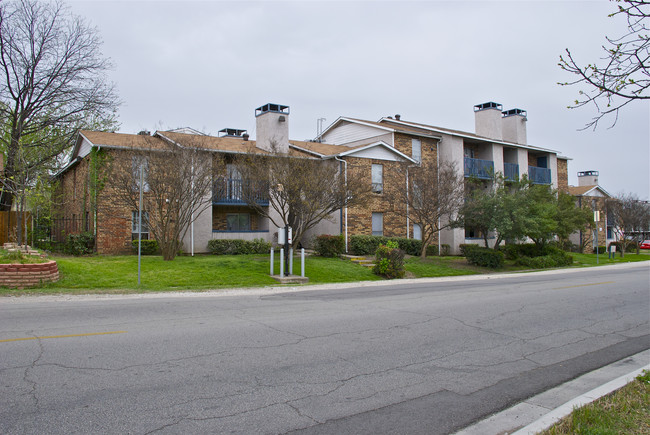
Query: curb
x=543 y=410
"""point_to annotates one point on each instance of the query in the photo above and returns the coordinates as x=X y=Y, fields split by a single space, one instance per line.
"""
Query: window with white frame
x=417 y=232
x=135 y=228
x=377 y=178
x=377 y=224
x=234 y=182
x=238 y=222
x=416 y=150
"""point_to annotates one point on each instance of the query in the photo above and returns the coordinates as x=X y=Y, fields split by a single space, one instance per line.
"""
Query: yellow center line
x=584 y=285
x=62 y=336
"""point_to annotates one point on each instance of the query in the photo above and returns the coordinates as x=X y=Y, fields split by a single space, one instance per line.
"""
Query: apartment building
x=374 y=148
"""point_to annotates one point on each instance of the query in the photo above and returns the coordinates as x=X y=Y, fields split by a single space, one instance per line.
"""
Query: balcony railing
x=236 y=191
x=511 y=171
x=539 y=175
x=478 y=168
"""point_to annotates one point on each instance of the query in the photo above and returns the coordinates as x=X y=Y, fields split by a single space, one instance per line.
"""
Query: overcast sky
x=209 y=64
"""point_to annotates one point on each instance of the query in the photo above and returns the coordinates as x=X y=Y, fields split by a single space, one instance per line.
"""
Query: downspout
x=345 y=177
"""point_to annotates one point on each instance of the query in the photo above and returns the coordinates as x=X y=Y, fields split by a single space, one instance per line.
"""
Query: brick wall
x=28 y=275
x=562 y=175
x=360 y=218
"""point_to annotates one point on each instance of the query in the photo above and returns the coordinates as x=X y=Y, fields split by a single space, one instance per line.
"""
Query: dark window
x=238 y=222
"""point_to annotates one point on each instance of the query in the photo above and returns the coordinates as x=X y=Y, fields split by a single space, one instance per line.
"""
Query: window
x=134 y=225
x=234 y=183
x=469 y=153
x=417 y=232
x=238 y=222
x=377 y=178
x=136 y=163
x=377 y=224
x=416 y=150
x=417 y=196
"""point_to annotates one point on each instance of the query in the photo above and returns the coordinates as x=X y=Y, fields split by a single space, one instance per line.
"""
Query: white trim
x=467 y=135
x=381 y=144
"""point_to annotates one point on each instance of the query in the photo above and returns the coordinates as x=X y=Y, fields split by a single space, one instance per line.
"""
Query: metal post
x=302 y=262
x=281 y=261
x=286 y=249
x=271 y=261
x=290 y=261
x=140 y=221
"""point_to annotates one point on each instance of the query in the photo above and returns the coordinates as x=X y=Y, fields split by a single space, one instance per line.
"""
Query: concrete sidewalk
x=540 y=412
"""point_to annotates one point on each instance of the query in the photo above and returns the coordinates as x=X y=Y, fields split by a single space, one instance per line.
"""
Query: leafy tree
x=499 y=207
x=432 y=199
x=623 y=74
x=53 y=82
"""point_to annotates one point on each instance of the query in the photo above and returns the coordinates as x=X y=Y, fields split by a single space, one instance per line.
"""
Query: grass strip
x=625 y=411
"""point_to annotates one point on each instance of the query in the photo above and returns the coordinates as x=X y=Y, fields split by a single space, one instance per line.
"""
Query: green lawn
x=118 y=274
x=625 y=411
x=590 y=259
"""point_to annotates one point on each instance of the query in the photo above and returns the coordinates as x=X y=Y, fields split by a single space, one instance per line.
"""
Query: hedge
x=238 y=246
x=555 y=259
x=432 y=250
x=484 y=257
x=149 y=247
x=367 y=245
x=329 y=246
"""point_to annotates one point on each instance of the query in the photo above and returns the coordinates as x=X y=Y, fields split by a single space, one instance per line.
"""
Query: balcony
x=233 y=191
x=511 y=171
x=477 y=168
x=539 y=175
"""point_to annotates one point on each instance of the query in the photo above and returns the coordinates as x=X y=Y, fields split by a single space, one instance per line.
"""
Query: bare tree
x=53 y=82
x=631 y=218
x=432 y=199
x=623 y=75
x=302 y=191
x=177 y=189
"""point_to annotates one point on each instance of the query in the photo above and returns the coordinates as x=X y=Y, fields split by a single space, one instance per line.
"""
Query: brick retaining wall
x=28 y=275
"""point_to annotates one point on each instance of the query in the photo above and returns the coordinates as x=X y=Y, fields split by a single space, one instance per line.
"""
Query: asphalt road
x=409 y=358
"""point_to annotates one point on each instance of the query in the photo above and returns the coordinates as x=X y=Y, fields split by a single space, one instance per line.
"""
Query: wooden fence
x=8 y=221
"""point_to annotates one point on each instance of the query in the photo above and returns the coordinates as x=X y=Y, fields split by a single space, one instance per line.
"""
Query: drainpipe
x=408 y=220
x=345 y=176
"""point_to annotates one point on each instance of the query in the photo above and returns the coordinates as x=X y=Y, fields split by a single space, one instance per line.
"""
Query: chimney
x=272 y=127
x=487 y=120
x=588 y=178
x=514 y=126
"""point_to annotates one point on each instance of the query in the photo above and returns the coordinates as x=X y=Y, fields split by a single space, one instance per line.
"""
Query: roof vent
x=231 y=132
x=513 y=112
x=144 y=133
x=270 y=107
x=398 y=116
x=488 y=105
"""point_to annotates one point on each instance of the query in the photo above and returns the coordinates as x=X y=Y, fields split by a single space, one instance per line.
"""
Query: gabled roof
x=587 y=191
x=414 y=128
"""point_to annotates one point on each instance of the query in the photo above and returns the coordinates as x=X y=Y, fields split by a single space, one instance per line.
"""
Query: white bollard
x=290 y=261
x=281 y=261
x=271 y=261
x=302 y=262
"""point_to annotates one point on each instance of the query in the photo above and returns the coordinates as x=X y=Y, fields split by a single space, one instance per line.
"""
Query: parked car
x=645 y=244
